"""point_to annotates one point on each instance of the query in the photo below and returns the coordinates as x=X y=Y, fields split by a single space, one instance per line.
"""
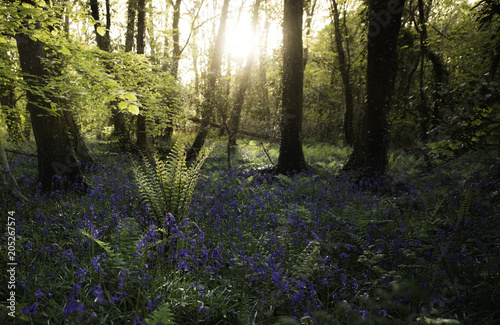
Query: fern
x=126 y=244
x=163 y=315
x=306 y=262
x=168 y=187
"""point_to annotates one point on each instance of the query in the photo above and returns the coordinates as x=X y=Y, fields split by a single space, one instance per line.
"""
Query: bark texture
x=57 y=164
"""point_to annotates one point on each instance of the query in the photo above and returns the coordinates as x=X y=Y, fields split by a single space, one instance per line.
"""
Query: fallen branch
x=247 y=133
x=21 y=153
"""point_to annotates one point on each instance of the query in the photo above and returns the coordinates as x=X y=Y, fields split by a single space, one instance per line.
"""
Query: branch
x=10 y=178
x=21 y=153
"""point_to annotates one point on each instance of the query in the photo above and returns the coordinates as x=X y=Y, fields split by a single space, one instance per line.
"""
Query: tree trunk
x=117 y=116
x=12 y=116
x=263 y=91
x=129 y=34
x=344 y=67
x=310 y=5
x=291 y=157
x=142 y=137
x=77 y=142
x=176 y=52
x=234 y=120
x=57 y=164
x=207 y=107
x=369 y=157
x=103 y=41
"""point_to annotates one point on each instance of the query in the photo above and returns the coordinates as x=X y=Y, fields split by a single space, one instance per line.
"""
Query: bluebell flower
x=73 y=306
x=118 y=297
x=97 y=292
x=364 y=314
x=39 y=293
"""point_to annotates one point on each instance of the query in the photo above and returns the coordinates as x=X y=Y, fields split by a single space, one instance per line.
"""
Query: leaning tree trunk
x=207 y=107
x=14 y=188
x=291 y=157
x=57 y=164
x=369 y=156
x=234 y=119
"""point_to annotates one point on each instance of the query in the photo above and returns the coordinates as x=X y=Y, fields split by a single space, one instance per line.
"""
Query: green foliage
x=163 y=315
x=167 y=187
x=126 y=242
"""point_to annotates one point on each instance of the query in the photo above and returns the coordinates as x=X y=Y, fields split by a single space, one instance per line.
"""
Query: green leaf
x=54 y=32
x=133 y=109
x=101 y=30
x=131 y=97
x=122 y=105
x=64 y=50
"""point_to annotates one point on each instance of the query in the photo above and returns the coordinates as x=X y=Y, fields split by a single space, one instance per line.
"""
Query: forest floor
x=313 y=248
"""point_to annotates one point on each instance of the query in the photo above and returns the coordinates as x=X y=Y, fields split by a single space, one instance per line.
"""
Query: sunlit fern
x=167 y=187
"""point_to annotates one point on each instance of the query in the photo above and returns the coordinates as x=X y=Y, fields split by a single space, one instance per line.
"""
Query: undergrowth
x=252 y=248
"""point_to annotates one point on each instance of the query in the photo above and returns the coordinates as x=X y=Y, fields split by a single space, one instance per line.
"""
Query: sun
x=240 y=41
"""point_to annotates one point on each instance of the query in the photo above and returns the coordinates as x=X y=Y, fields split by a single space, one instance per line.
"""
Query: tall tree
x=369 y=156
x=142 y=138
x=309 y=6
x=176 y=52
x=129 y=34
x=103 y=43
x=56 y=156
x=209 y=101
x=234 y=119
x=291 y=157
x=102 y=37
x=344 y=67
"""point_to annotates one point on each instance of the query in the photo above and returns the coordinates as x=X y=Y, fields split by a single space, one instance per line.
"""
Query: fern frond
x=168 y=187
x=307 y=260
x=162 y=315
x=116 y=257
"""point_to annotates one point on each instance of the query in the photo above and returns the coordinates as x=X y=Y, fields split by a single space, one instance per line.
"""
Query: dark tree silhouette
x=56 y=156
x=345 y=67
x=142 y=138
x=369 y=157
x=291 y=157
